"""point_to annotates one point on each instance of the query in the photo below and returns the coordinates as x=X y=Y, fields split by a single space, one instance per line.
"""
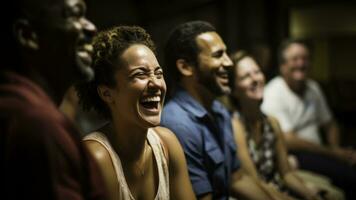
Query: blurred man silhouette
x=300 y=106
x=47 y=45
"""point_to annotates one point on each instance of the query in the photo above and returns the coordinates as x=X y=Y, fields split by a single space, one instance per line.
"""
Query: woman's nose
x=154 y=81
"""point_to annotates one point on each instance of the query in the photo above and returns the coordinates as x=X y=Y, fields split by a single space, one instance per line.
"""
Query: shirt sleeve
x=193 y=149
x=273 y=105
x=323 y=111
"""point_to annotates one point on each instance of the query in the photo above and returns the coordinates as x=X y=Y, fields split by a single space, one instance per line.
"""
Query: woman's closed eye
x=139 y=74
x=257 y=71
x=159 y=73
x=142 y=74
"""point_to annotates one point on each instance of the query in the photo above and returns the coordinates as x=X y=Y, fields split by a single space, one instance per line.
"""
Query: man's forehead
x=210 y=41
x=41 y=5
x=296 y=48
x=75 y=2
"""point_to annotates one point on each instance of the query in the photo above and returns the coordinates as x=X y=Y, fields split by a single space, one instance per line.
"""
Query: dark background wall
x=259 y=26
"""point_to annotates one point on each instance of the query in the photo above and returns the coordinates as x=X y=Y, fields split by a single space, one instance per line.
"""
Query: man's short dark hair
x=182 y=44
x=285 y=45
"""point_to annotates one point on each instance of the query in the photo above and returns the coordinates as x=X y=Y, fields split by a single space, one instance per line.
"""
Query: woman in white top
x=138 y=159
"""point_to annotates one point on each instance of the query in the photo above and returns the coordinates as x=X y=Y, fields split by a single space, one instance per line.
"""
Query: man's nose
x=88 y=27
x=254 y=77
x=227 y=61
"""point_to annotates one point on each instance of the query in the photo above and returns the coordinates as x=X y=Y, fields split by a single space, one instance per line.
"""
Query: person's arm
x=332 y=134
x=274 y=104
x=180 y=186
x=207 y=196
x=297 y=185
x=295 y=143
x=247 y=187
x=326 y=122
x=242 y=148
x=102 y=157
x=333 y=138
x=324 y=117
x=245 y=182
x=293 y=182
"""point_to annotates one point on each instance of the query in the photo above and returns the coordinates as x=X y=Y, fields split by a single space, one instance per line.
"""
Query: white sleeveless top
x=157 y=148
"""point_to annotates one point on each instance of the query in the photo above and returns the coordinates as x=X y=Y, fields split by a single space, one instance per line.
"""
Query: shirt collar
x=192 y=106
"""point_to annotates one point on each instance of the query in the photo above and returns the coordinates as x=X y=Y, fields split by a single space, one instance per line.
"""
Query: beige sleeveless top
x=157 y=148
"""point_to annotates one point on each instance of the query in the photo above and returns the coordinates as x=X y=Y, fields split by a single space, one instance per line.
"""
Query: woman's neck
x=251 y=111
x=128 y=140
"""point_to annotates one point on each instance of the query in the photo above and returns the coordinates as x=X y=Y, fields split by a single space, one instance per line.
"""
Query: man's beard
x=81 y=72
x=209 y=82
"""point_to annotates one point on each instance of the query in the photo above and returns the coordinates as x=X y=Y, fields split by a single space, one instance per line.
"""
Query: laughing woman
x=138 y=159
x=259 y=139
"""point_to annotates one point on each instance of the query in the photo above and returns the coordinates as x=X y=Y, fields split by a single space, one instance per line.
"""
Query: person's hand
x=347 y=155
x=315 y=194
x=352 y=155
x=317 y=197
x=293 y=162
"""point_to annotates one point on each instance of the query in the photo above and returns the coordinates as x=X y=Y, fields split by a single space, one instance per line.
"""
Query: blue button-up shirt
x=207 y=141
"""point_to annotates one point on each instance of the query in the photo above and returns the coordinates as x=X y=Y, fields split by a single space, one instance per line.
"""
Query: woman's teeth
x=151 y=99
x=151 y=102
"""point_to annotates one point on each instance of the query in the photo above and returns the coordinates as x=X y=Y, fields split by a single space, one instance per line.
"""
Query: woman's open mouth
x=151 y=104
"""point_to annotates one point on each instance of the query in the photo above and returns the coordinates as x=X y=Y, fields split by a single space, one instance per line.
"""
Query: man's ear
x=25 y=34
x=184 y=68
x=105 y=93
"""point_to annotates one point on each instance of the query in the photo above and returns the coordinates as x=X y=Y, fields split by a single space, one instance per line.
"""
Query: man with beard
x=300 y=106
x=48 y=49
x=197 y=65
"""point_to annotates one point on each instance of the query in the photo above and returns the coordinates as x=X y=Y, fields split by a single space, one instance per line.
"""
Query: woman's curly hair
x=108 y=48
